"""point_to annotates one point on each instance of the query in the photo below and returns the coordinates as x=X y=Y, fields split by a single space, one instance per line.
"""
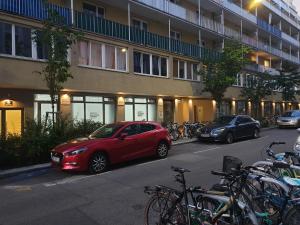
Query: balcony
x=262 y=69
x=267 y=27
x=105 y=27
x=277 y=10
x=238 y=10
x=35 y=9
x=290 y=39
x=185 y=14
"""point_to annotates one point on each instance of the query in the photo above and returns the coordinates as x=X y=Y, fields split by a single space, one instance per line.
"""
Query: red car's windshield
x=106 y=131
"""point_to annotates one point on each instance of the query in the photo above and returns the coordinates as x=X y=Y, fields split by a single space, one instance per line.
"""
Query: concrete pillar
x=120 y=114
x=273 y=108
x=160 y=110
x=249 y=108
x=66 y=106
x=262 y=109
x=191 y=111
x=233 y=107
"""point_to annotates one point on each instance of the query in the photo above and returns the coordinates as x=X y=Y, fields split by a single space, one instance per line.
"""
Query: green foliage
x=58 y=38
x=219 y=75
x=288 y=79
x=38 y=139
x=258 y=88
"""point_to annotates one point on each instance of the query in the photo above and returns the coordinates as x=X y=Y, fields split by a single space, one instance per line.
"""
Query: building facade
x=138 y=58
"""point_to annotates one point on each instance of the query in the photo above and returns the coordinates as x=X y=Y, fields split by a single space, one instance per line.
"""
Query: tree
x=58 y=38
x=258 y=87
x=220 y=74
x=287 y=82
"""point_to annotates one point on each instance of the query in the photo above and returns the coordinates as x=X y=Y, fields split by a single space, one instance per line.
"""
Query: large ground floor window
x=43 y=108
x=241 y=107
x=94 y=108
x=268 y=109
x=140 y=109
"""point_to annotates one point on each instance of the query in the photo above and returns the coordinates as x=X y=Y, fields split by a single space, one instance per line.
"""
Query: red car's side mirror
x=123 y=136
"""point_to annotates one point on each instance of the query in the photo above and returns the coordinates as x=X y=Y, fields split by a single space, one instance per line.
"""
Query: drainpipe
x=129 y=22
x=169 y=34
x=72 y=12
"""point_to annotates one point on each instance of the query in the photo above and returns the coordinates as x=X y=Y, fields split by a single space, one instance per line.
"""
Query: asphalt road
x=52 y=197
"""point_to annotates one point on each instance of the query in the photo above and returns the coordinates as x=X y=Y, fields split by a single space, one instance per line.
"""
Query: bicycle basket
x=230 y=162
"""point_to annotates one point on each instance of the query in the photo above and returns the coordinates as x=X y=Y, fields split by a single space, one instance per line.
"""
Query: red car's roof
x=138 y=122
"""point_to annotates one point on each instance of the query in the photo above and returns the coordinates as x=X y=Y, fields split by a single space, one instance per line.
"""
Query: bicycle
x=174 y=207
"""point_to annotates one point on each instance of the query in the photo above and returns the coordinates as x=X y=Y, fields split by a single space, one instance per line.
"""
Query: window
x=121 y=58
x=5 y=38
x=150 y=64
x=175 y=35
x=96 y=54
x=93 y=108
x=83 y=53
x=110 y=57
x=139 y=24
x=43 y=108
x=147 y=127
x=23 y=41
x=93 y=10
x=16 y=40
x=140 y=109
x=132 y=129
x=101 y=55
x=42 y=49
x=185 y=70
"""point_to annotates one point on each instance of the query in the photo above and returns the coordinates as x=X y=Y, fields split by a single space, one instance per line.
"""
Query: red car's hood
x=74 y=144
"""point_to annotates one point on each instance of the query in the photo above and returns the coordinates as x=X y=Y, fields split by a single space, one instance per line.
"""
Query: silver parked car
x=289 y=119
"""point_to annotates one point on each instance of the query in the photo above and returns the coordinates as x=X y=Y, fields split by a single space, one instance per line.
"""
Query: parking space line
x=206 y=150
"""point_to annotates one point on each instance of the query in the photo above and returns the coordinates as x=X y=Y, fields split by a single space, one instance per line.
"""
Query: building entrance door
x=11 y=121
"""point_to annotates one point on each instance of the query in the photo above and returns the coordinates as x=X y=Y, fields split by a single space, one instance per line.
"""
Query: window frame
x=104 y=102
x=103 y=55
x=148 y=102
x=186 y=63
x=34 y=53
x=151 y=65
x=97 y=8
x=141 y=22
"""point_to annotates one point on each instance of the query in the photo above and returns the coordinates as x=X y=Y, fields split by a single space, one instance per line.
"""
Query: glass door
x=13 y=122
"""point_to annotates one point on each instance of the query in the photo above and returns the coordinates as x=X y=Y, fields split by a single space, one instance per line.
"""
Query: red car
x=111 y=144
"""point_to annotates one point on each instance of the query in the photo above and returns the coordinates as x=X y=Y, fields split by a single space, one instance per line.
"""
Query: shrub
x=38 y=139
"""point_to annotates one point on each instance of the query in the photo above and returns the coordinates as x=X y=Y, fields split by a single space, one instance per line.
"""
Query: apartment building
x=138 y=59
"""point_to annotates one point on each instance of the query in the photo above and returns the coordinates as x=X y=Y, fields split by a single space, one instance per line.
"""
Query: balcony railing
x=261 y=69
x=109 y=28
x=238 y=10
x=277 y=10
x=35 y=9
x=290 y=39
x=267 y=27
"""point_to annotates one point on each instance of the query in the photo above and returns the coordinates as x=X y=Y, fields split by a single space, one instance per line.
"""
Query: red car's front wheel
x=162 y=150
x=98 y=163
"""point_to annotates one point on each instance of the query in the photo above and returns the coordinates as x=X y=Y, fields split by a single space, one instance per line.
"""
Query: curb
x=17 y=171
x=268 y=128
x=185 y=142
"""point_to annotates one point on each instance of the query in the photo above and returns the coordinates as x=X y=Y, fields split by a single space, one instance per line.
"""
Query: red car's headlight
x=77 y=151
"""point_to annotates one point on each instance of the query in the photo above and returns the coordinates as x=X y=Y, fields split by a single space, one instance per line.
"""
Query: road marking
x=151 y=162
x=207 y=150
x=18 y=188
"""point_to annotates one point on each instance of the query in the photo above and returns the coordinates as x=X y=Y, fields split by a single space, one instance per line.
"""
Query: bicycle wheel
x=209 y=208
x=160 y=210
x=292 y=217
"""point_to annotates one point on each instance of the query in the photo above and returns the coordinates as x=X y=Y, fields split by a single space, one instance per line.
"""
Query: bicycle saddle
x=179 y=170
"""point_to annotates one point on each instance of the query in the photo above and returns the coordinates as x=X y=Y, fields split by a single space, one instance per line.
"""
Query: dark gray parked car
x=289 y=119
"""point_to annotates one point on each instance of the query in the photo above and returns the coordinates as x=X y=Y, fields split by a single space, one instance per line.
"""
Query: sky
x=297 y=4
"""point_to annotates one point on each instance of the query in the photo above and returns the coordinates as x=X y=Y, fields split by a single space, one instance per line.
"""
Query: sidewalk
x=17 y=171
x=14 y=172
